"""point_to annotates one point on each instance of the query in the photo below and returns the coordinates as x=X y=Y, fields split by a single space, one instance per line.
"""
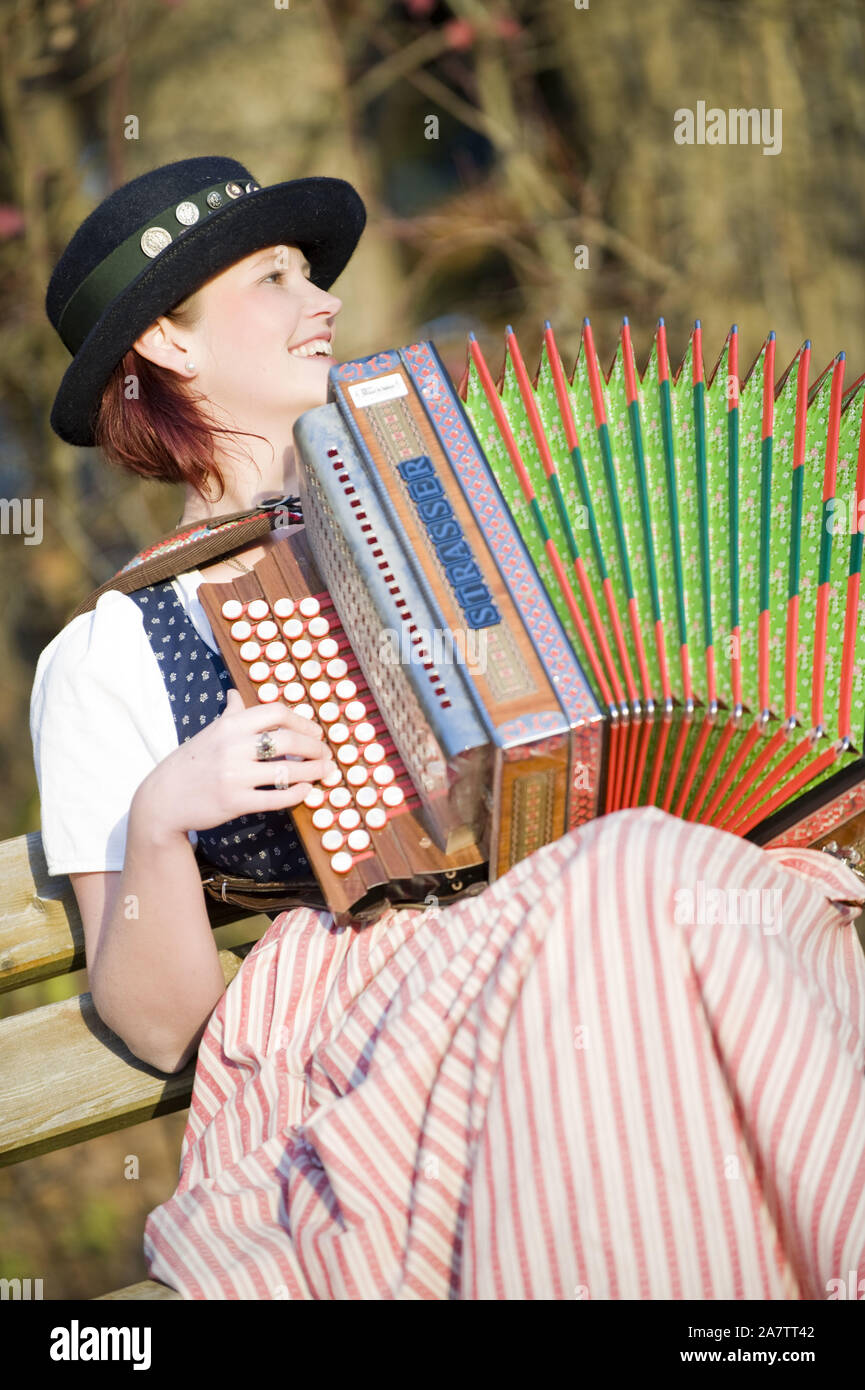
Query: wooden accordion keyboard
x=360 y=827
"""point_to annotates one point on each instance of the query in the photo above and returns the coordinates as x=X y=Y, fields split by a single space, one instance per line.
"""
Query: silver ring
x=281 y=786
x=265 y=747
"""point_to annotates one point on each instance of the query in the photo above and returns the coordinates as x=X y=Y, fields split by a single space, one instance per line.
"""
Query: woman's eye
x=280 y=275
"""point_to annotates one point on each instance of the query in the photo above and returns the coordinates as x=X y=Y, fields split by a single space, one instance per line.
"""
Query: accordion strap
x=193 y=545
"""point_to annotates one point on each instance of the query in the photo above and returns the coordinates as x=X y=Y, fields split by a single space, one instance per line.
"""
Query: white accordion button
x=328 y=648
x=241 y=631
x=393 y=796
x=250 y=651
x=355 y=710
x=292 y=629
x=266 y=631
x=332 y=840
x=304 y=711
x=294 y=692
x=268 y=692
x=345 y=690
x=349 y=819
x=328 y=712
x=337 y=668
x=258 y=609
x=232 y=608
x=284 y=672
x=319 y=690
x=340 y=797
x=301 y=649
x=341 y=862
x=309 y=607
x=332 y=778
x=365 y=733
x=383 y=774
x=284 y=607
x=358 y=840
x=338 y=733
x=323 y=818
x=310 y=670
x=318 y=627
x=259 y=671
x=314 y=798
x=276 y=651
x=356 y=776
x=376 y=818
x=374 y=753
x=348 y=754
x=366 y=796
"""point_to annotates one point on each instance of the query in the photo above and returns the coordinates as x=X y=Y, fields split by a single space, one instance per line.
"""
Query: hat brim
x=324 y=216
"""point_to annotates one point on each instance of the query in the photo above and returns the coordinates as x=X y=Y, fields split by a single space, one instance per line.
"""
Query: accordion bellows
x=708 y=531
x=565 y=595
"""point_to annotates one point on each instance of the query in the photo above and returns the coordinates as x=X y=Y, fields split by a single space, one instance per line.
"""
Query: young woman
x=564 y=1087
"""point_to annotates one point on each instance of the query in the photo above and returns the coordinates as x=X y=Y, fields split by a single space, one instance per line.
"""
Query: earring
x=190 y=366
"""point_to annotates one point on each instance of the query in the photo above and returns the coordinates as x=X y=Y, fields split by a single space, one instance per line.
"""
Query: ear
x=163 y=343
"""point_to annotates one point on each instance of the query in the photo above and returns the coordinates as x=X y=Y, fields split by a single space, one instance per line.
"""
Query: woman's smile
x=313 y=347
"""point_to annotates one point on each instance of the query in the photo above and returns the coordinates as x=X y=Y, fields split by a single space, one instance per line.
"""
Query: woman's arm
x=152 y=962
x=153 y=967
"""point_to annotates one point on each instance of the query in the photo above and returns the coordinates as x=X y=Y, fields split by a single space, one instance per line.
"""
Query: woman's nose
x=325 y=302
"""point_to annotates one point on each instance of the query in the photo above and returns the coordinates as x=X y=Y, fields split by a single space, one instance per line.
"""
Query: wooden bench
x=105 y=1087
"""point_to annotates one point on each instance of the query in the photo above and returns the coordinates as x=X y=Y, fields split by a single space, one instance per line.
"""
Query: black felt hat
x=158 y=238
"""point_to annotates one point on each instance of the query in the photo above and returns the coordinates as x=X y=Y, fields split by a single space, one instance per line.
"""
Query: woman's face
x=256 y=314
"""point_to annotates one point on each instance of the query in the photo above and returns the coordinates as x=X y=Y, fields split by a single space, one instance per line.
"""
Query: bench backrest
x=64 y=1076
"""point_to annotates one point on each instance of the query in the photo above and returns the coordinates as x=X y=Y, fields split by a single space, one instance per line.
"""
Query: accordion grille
x=408 y=725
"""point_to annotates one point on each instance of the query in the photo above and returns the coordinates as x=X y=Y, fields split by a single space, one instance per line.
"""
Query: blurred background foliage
x=489 y=141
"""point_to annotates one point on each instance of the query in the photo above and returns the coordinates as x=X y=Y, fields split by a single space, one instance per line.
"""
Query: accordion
x=523 y=602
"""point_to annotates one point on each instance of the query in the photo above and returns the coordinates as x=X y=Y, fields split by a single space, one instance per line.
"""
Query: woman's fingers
x=279 y=800
x=288 y=744
x=260 y=717
x=287 y=770
x=300 y=749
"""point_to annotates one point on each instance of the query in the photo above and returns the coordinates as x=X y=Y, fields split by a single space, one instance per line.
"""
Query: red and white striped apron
x=586 y=1082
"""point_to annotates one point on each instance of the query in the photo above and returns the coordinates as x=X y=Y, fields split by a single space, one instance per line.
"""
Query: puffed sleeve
x=100 y=721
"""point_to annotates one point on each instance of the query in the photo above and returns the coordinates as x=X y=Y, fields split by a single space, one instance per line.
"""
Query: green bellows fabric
x=696 y=544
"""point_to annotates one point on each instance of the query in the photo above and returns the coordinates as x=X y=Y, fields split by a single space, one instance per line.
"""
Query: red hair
x=150 y=423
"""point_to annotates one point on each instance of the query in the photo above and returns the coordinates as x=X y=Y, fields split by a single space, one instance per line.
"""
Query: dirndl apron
x=632 y=1068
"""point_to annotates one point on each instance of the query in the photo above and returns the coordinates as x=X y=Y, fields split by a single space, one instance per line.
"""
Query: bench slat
x=40 y=926
x=148 y=1288
x=67 y=1077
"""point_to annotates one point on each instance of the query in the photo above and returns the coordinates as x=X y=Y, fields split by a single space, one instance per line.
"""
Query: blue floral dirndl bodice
x=264 y=845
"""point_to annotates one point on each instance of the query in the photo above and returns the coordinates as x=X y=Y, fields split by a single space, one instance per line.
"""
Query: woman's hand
x=215 y=776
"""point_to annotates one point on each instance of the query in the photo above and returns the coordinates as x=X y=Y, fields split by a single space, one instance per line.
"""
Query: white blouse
x=100 y=721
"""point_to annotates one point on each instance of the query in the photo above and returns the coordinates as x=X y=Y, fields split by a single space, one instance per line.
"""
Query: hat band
x=126 y=262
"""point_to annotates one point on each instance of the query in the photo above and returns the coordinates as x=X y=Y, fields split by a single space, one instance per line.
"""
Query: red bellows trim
x=594 y=375
x=829 y=475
